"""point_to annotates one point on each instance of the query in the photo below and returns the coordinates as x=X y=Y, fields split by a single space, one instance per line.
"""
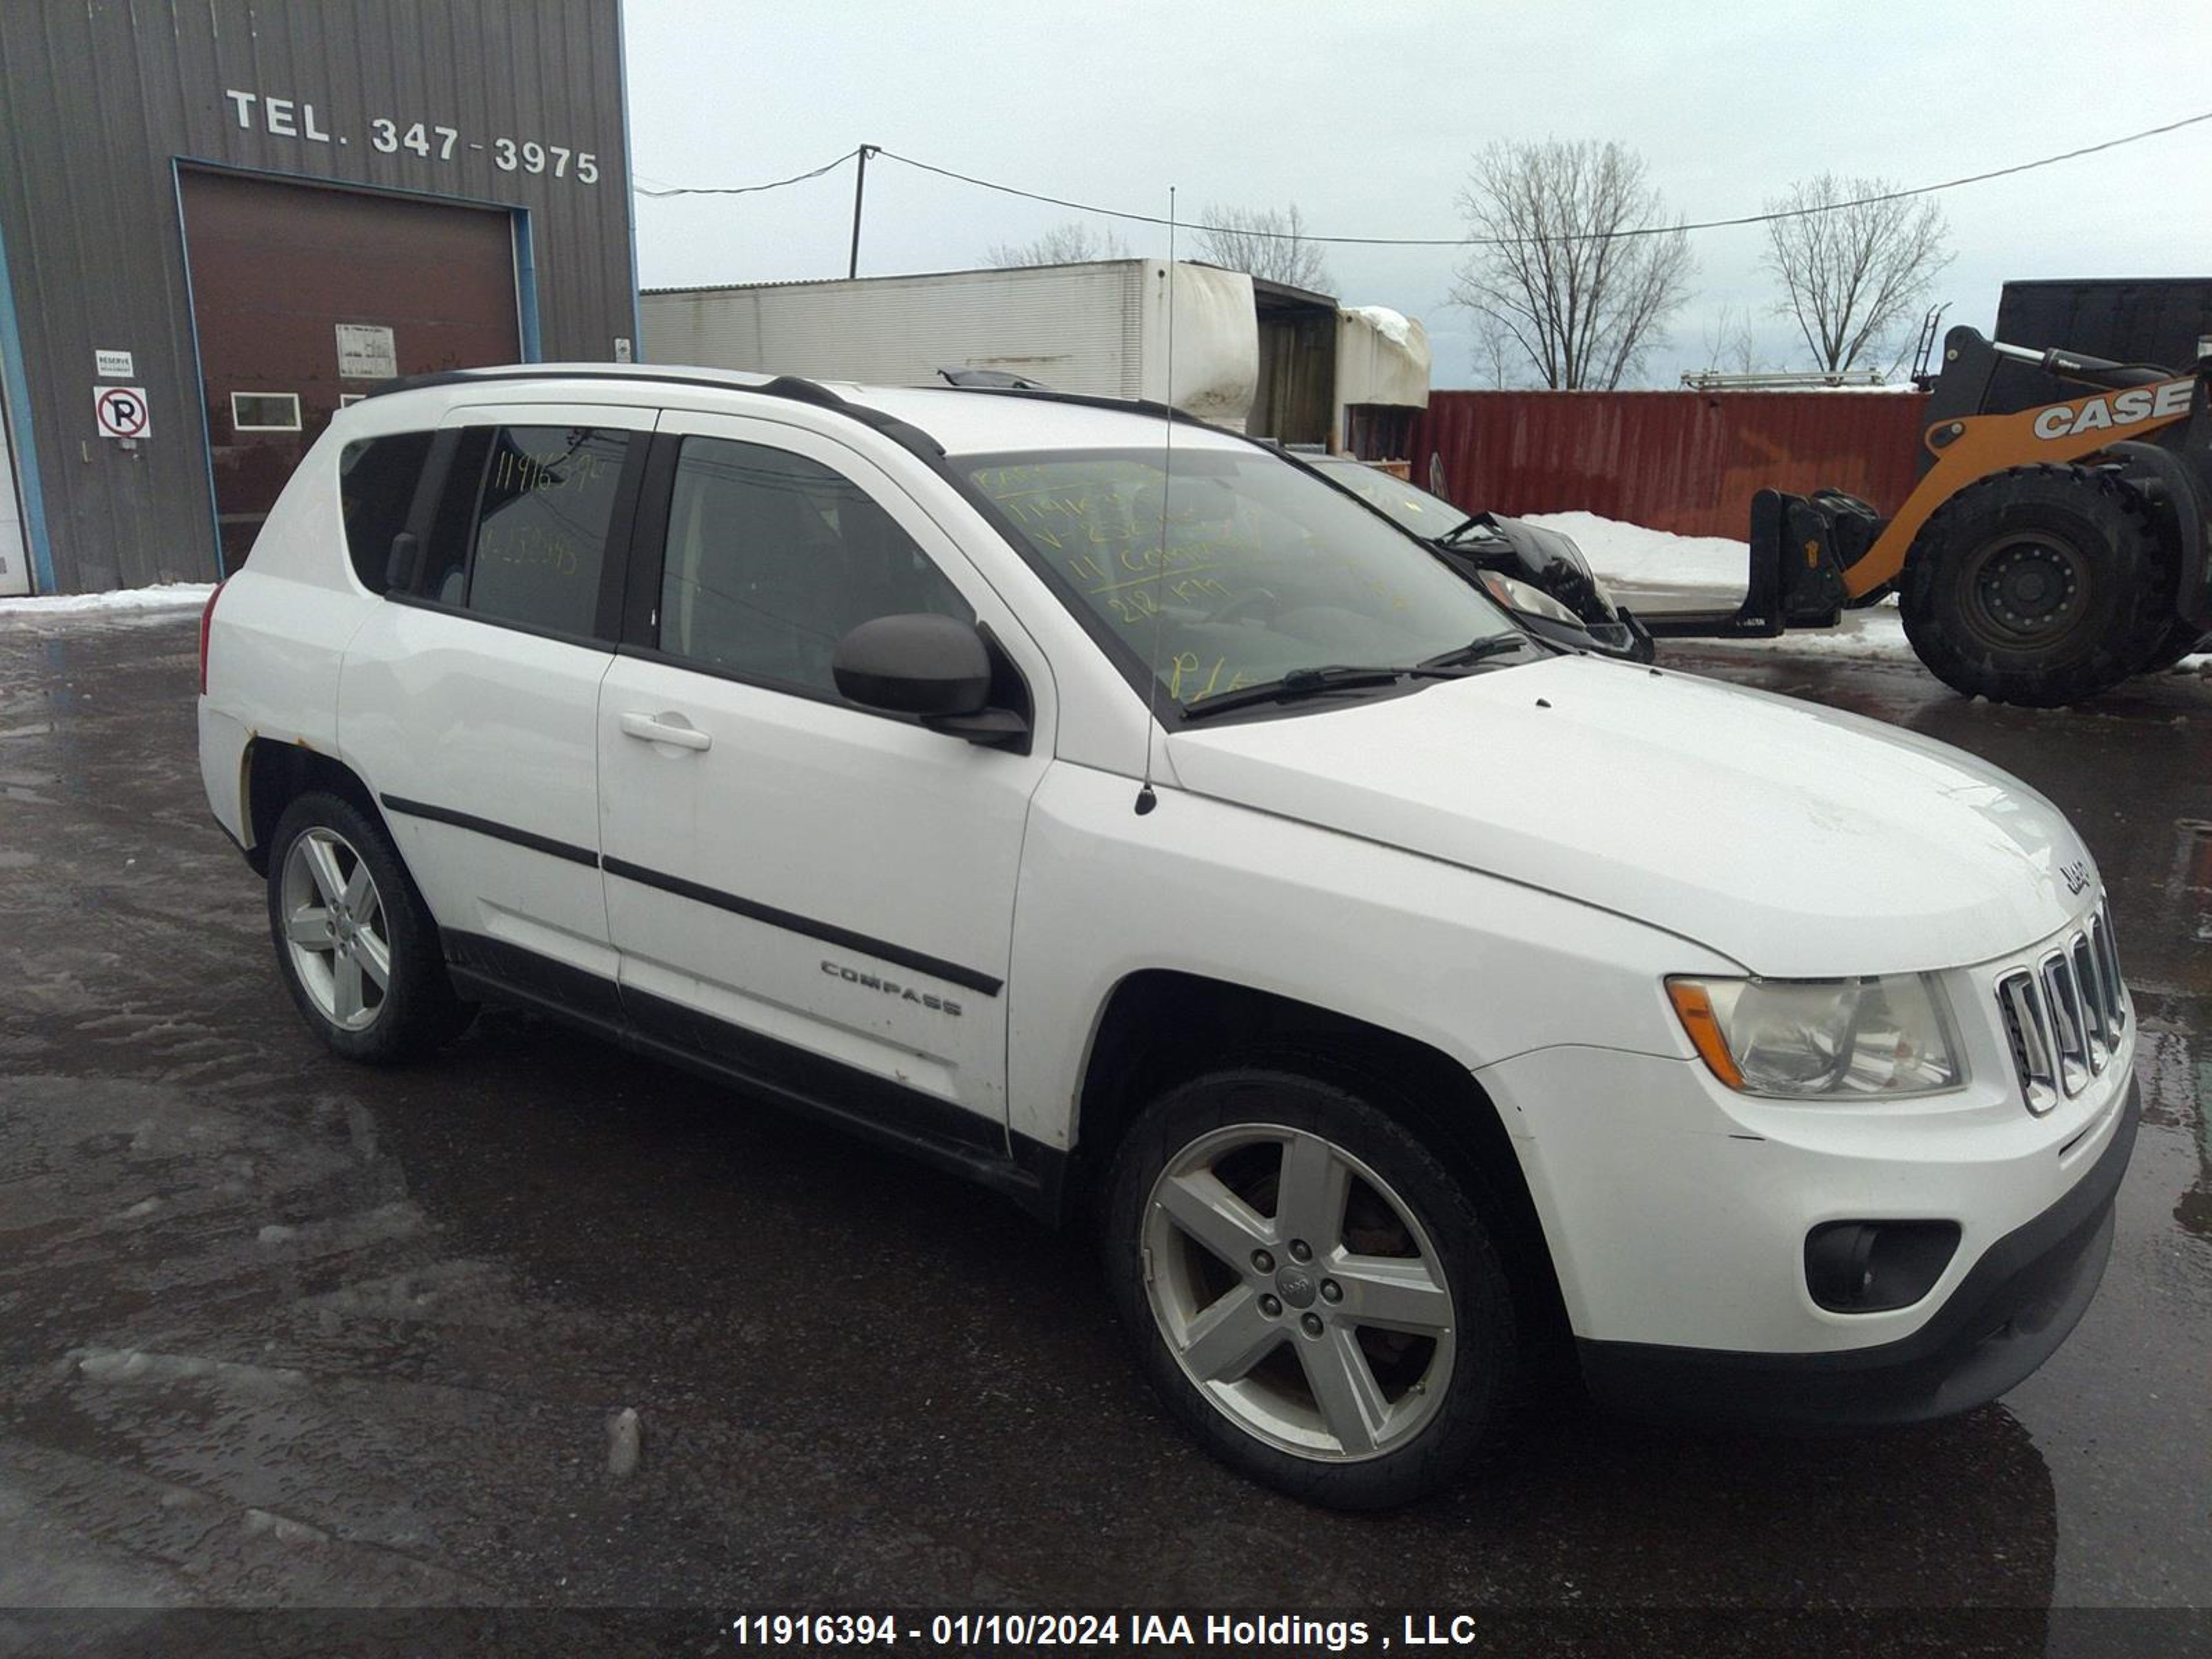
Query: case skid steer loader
x=2046 y=555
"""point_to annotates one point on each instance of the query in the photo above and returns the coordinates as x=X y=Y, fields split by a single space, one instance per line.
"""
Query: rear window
x=542 y=522
x=518 y=532
x=376 y=487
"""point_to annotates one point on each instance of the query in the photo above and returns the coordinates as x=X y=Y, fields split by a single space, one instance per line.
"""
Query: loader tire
x=2041 y=586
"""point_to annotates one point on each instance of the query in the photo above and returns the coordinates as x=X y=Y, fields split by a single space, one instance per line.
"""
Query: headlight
x=1799 y=1039
x=1519 y=596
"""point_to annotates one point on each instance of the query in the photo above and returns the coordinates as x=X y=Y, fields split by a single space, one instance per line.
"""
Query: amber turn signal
x=1695 y=1010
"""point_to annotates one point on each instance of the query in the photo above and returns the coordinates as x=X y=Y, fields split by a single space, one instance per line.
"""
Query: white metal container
x=1099 y=329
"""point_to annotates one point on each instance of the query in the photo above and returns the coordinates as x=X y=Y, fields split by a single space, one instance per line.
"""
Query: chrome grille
x=2063 y=1018
x=2108 y=970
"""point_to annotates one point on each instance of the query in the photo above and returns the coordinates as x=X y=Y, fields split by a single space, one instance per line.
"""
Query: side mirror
x=937 y=668
x=915 y=664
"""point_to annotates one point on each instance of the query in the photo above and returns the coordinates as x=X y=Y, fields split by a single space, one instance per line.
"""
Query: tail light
x=207 y=621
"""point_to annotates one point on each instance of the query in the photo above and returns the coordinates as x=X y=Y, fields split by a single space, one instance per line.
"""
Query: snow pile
x=167 y=596
x=1706 y=567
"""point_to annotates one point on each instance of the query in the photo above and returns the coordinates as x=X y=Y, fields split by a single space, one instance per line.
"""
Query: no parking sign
x=121 y=411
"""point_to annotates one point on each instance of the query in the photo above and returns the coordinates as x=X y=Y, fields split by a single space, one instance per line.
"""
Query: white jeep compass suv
x=1116 y=812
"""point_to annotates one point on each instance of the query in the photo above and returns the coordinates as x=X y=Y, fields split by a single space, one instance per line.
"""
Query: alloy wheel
x=1298 y=1291
x=335 y=929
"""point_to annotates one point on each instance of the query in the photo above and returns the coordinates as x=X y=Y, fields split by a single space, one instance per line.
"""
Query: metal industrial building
x=220 y=220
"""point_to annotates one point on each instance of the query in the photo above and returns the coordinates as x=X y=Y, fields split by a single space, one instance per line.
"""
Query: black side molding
x=828 y=932
x=506 y=832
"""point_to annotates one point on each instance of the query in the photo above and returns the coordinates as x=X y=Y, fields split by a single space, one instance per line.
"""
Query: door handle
x=665 y=728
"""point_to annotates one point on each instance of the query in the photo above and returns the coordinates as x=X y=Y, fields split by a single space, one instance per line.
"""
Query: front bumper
x=2009 y=1314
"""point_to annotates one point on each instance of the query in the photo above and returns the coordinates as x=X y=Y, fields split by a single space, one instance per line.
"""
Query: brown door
x=277 y=268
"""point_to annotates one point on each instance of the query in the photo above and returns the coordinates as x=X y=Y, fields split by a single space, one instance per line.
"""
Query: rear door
x=470 y=700
x=820 y=896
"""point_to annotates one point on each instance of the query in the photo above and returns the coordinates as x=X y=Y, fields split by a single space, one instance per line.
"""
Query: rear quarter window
x=376 y=487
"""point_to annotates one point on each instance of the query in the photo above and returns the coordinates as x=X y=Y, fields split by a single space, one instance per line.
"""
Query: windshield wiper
x=1491 y=645
x=1298 y=682
x=1480 y=521
x=1312 y=681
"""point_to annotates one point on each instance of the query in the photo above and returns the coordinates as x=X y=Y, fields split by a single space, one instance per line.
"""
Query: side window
x=541 y=526
x=773 y=558
x=376 y=487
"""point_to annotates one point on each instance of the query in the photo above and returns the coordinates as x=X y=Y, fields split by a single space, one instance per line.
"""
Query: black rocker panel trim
x=497 y=831
x=1029 y=1172
x=514 y=967
x=828 y=932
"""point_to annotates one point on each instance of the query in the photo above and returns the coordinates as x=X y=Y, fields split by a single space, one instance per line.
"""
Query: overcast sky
x=1366 y=115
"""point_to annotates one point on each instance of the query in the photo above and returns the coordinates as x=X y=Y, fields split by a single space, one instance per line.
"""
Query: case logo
x=2130 y=408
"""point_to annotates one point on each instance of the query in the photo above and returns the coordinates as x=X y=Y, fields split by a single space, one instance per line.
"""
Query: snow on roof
x=1392 y=326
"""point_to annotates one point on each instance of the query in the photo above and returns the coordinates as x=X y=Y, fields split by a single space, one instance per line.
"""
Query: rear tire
x=2041 y=586
x=355 y=944
x=1345 y=1334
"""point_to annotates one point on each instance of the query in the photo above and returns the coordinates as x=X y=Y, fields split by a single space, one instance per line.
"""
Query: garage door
x=304 y=297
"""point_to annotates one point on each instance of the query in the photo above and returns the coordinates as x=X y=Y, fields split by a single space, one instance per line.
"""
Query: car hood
x=1797 y=840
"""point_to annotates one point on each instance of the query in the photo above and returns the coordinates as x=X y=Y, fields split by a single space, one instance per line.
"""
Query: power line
x=1461 y=242
x=746 y=190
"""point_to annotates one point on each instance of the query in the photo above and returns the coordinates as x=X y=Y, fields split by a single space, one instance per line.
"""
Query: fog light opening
x=1876 y=1267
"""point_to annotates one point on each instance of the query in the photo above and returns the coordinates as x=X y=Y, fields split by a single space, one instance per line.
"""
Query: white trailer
x=1100 y=329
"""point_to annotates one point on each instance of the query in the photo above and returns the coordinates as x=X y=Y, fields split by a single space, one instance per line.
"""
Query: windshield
x=1265 y=570
x=1427 y=516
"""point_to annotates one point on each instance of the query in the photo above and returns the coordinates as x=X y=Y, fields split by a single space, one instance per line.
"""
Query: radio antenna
x=1146 y=799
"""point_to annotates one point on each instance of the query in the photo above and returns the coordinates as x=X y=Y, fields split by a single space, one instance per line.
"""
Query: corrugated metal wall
x=99 y=97
x=1685 y=461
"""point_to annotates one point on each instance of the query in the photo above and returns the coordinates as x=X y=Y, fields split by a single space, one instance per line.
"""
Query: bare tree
x=1584 y=303
x=1853 y=271
x=1498 y=363
x=1731 y=346
x=1269 y=243
x=1071 y=242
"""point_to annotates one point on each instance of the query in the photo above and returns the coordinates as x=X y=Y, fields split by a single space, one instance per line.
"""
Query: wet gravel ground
x=278 y=1330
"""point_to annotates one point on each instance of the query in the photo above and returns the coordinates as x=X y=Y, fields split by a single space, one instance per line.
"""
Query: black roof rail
x=1092 y=400
x=790 y=388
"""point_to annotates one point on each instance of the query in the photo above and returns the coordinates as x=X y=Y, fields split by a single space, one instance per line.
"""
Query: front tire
x=1311 y=1291
x=2041 y=586
x=355 y=945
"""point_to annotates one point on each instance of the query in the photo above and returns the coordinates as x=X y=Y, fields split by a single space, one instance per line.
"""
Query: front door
x=819 y=896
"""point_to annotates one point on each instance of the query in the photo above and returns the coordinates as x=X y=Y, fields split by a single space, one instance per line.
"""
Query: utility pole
x=860 y=188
